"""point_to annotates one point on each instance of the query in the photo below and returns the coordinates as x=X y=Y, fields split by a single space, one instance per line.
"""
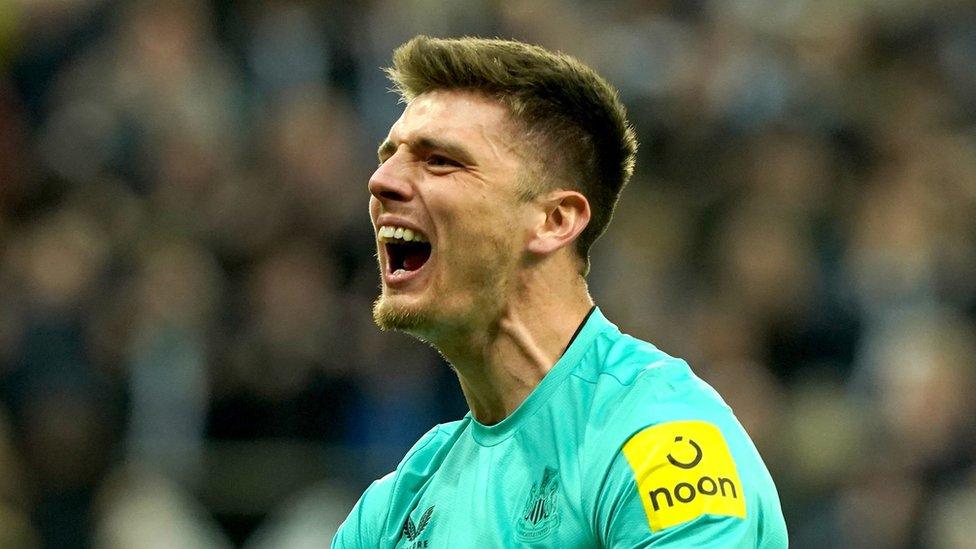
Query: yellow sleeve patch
x=683 y=470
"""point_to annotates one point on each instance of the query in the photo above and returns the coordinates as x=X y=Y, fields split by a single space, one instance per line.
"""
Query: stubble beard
x=446 y=316
x=438 y=321
x=389 y=316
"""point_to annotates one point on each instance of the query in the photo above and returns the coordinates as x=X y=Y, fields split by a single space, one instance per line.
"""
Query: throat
x=408 y=256
x=500 y=371
x=497 y=376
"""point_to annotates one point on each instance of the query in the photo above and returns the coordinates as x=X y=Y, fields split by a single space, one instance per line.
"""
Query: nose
x=390 y=182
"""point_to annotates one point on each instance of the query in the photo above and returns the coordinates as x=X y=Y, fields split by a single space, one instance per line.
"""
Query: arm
x=674 y=484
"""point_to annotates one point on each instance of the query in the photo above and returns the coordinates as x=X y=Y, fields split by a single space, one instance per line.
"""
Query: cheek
x=374 y=209
x=479 y=222
x=485 y=239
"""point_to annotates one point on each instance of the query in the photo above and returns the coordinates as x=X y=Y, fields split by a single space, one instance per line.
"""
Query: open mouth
x=406 y=250
x=408 y=256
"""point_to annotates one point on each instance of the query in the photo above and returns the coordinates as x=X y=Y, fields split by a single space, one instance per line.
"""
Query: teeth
x=400 y=233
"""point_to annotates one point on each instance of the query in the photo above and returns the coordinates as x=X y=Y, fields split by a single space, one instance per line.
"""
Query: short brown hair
x=575 y=113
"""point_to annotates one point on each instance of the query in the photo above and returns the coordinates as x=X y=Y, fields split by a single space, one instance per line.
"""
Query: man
x=492 y=186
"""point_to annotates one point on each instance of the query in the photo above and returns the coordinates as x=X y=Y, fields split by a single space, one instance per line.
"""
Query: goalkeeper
x=491 y=187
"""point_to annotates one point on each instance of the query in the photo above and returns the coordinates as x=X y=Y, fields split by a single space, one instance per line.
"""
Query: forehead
x=456 y=113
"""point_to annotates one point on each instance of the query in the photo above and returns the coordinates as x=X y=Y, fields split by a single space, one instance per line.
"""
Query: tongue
x=414 y=261
x=415 y=257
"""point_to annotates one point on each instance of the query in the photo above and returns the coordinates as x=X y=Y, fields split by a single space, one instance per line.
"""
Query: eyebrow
x=427 y=143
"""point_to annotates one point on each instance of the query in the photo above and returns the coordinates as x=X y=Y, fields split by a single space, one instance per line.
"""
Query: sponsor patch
x=683 y=470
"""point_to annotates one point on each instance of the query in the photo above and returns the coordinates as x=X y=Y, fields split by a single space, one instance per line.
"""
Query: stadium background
x=187 y=357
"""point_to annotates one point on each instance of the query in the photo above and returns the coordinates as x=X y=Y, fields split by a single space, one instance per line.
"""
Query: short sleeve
x=363 y=527
x=674 y=484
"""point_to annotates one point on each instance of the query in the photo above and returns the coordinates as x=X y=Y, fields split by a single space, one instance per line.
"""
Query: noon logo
x=540 y=515
x=683 y=470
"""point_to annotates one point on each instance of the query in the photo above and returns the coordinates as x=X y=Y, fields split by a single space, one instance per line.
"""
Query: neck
x=501 y=362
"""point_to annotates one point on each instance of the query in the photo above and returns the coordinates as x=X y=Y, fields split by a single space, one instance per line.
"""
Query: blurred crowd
x=187 y=356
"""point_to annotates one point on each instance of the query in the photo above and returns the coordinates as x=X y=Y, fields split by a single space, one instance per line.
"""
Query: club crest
x=541 y=513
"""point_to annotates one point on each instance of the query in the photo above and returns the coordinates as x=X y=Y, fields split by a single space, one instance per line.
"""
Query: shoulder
x=432 y=440
x=645 y=398
x=636 y=385
x=626 y=368
x=366 y=523
x=665 y=450
x=420 y=461
x=619 y=357
x=421 y=458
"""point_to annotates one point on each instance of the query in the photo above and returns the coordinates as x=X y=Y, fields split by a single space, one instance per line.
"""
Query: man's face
x=448 y=175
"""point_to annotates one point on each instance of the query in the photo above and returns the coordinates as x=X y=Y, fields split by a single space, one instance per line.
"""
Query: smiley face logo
x=691 y=464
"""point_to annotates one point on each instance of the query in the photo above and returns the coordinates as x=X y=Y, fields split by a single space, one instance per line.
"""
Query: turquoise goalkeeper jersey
x=619 y=446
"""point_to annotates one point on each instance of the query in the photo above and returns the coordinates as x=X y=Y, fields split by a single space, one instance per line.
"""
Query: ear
x=565 y=215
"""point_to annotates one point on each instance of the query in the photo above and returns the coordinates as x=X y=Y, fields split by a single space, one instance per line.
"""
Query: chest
x=510 y=495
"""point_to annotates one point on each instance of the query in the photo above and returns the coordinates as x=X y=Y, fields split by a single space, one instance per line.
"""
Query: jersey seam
x=606 y=335
x=601 y=374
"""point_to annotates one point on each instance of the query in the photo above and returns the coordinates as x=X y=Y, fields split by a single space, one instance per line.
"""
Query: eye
x=438 y=161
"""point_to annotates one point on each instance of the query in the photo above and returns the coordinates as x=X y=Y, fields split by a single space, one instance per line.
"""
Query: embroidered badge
x=541 y=512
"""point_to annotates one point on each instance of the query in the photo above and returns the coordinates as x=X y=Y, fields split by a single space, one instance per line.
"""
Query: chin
x=428 y=321
x=436 y=316
x=391 y=313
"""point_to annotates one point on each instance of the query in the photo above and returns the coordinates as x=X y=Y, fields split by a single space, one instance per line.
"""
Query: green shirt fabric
x=619 y=446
